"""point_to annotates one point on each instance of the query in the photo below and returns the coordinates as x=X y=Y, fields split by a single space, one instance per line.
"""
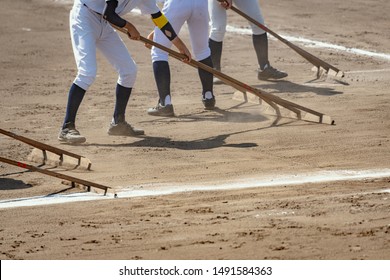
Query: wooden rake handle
x=196 y=64
x=179 y=56
x=267 y=97
x=308 y=56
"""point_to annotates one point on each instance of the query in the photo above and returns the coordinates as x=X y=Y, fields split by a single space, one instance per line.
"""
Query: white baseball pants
x=195 y=13
x=89 y=32
x=218 y=17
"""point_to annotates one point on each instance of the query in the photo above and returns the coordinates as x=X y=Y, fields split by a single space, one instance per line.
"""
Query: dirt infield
x=347 y=219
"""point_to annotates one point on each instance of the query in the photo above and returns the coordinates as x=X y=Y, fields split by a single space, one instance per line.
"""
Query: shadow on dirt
x=198 y=144
x=201 y=144
x=290 y=87
x=12 y=184
x=218 y=115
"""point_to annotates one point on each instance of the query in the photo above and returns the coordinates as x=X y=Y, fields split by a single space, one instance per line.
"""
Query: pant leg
x=252 y=9
x=218 y=21
x=84 y=30
x=198 y=28
x=117 y=54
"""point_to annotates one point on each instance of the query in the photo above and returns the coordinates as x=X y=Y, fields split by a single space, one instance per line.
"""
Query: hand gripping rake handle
x=308 y=56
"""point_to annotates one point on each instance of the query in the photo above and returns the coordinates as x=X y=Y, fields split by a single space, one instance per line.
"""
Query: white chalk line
x=315 y=44
x=166 y=189
x=369 y=71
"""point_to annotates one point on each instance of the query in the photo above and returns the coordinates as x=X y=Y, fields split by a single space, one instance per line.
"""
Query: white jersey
x=124 y=6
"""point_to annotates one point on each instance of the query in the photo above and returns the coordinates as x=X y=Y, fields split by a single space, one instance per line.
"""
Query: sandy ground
x=338 y=220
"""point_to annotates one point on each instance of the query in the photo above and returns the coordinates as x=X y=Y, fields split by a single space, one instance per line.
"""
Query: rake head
x=330 y=75
x=51 y=159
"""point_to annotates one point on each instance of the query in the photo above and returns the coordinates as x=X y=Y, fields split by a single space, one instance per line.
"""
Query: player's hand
x=227 y=4
x=150 y=37
x=182 y=48
x=132 y=32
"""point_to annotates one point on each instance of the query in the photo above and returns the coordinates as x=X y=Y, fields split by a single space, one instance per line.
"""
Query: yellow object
x=161 y=21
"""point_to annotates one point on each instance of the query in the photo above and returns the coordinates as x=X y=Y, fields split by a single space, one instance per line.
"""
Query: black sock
x=216 y=53
x=75 y=96
x=260 y=43
x=122 y=98
x=206 y=77
x=162 y=75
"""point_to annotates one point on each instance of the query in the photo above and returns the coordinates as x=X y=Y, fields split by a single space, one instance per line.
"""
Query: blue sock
x=162 y=75
x=206 y=77
x=75 y=96
x=122 y=98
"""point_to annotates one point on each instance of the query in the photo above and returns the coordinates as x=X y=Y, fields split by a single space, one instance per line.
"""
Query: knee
x=158 y=55
x=257 y=30
x=127 y=78
x=217 y=34
x=85 y=81
x=202 y=54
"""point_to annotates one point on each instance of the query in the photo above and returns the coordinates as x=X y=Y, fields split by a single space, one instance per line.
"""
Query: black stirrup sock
x=216 y=53
x=75 y=97
x=122 y=98
x=206 y=77
x=162 y=75
x=260 y=43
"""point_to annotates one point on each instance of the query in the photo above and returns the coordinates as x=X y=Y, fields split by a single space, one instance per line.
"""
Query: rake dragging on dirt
x=298 y=111
x=321 y=65
x=71 y=179
x=41 y=155
x=44 y=148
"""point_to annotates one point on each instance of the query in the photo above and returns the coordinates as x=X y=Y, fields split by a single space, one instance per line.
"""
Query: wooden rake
x=44 y=148
x=71 y=179
x=300 y=112
x=75 y=182
x=317 y=62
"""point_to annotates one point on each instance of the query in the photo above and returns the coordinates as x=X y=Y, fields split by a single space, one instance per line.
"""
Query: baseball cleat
x=162 y=111
x=123 y=129
x=209 y=104
x=270 y=73
x=69 y=134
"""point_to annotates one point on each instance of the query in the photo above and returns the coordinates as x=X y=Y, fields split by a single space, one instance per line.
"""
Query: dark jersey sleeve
x=164 y=25
x=111 y=16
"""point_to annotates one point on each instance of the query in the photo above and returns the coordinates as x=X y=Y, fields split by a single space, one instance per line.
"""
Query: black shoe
x=162 y=111
x=124 y=129
x=270 y=73
x=70 y=135
x=209 y=104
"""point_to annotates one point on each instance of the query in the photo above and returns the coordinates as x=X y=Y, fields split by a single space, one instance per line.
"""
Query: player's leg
x=113 y=48
x=198 y=28
x=176 y=13
x=162 y=76
x=218 y=21
x=260 y=40
x=82 y=27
